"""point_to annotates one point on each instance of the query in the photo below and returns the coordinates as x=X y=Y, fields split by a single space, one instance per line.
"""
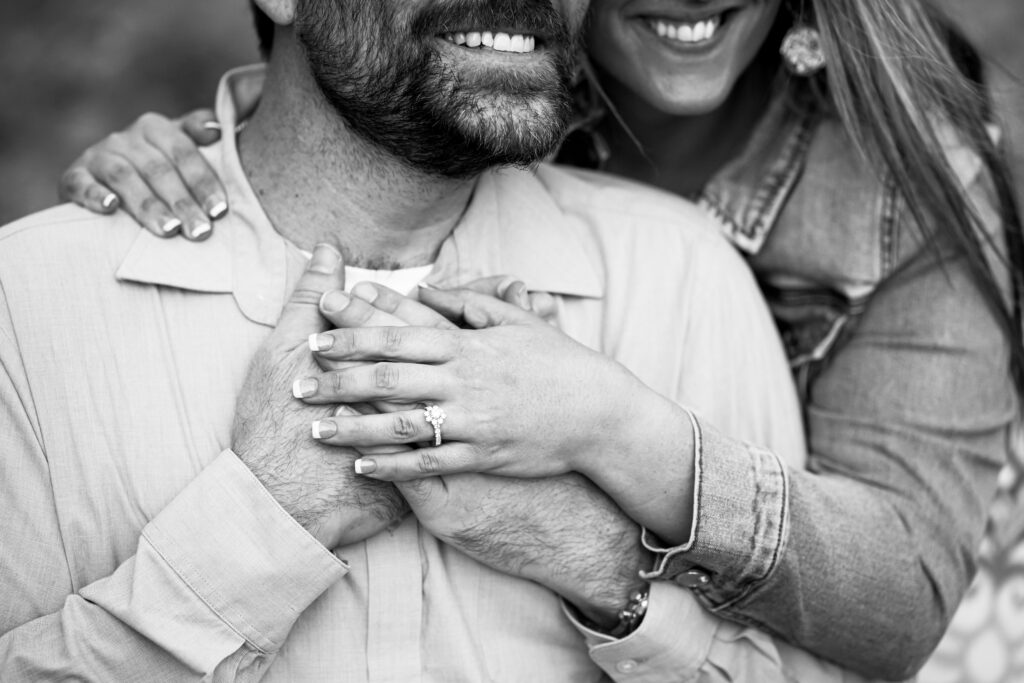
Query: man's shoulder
x=617 y=201
x=65 y=232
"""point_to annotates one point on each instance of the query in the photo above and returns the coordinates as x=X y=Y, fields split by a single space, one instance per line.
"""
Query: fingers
x=366 y=382
x=155 y=172
x=182 y=177
x=543 y=306
x=408 y=310
x=201 y=126
x=301 y=314
x=345 y=311
x=407 y=426
x=409 y=344
x=478 y=310
x=436 y=461
x=505 y=287
x=79 y=186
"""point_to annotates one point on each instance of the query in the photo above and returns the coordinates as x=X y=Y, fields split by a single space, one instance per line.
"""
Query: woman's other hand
x=521 y=398
x=154 y=171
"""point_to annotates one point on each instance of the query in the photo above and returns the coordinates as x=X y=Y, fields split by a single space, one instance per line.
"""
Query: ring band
x=435 y=415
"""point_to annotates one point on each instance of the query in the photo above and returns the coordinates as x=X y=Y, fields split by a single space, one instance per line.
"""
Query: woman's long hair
x=896 y=74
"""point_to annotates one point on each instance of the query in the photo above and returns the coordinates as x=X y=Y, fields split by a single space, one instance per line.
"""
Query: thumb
x=478 y=310
x=301 y=314
x=425 y=496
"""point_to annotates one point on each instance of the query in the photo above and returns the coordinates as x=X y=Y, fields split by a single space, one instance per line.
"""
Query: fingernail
x=426 y=285
x=110 y=200
x=320 y=342
x=523 y=298
x=366 y=292
x=170 y=226
x=201 y=230
x=215 y=207
x=211 y=125
x=326 y=259
x=304 y=388
x=334 y=301
x=365 y=466
x=503 y=286
x=324 y=429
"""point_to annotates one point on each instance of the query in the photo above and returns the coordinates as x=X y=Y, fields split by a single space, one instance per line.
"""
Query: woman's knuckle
x=116 y=171
x=391 y=340
x=402 y=427
x=385 y=376
x=155 y=169
x=428 y=462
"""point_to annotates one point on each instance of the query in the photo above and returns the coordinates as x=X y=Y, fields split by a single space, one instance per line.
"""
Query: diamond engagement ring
x=435 y=415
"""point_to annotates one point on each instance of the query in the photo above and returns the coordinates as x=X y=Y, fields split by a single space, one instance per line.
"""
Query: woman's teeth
x=500 y=42
x=687 y=33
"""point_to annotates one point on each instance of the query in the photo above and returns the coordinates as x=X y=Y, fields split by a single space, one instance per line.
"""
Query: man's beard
x=393 y=87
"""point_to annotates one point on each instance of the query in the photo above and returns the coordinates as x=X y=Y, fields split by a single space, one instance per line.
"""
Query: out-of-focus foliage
x=71 y=72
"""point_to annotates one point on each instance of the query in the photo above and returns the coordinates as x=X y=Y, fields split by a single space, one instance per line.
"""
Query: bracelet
x=632 y=614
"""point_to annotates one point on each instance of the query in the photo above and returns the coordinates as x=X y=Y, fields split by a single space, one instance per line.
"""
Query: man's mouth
x=498 y=41
x=688 y=32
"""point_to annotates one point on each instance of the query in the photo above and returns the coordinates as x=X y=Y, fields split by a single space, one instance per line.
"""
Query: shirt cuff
x=241 y=553
x=671 y=643
x=741 y=510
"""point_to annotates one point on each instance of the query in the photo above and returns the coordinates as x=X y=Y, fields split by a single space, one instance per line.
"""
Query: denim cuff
x=741 y=496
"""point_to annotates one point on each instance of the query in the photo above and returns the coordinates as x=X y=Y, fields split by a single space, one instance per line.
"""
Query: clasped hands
x=363 y=366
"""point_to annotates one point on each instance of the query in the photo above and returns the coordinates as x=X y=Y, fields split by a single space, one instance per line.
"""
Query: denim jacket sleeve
x=863 y=558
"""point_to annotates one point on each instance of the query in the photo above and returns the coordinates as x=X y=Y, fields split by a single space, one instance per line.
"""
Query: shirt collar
x=512 y=226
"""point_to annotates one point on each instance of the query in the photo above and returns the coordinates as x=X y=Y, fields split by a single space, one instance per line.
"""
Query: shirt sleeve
x=218 y=579
x=910 y=421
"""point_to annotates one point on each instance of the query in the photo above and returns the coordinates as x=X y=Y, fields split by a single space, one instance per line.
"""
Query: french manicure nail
x=215 y=208
x=211 y=125
x=365 y=466
x=366 y=292
x=201 y=230
x=325 y=260
x=334 y=301
x=324 y=429
x=110 y=200
x=304 y=388
x=426 y=285
x=320 y=342
x=170 y=226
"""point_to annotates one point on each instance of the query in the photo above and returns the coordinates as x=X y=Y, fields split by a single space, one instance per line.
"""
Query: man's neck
x=318 y=181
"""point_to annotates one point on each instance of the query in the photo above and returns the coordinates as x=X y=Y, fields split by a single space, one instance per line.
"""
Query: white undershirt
x=402 y=280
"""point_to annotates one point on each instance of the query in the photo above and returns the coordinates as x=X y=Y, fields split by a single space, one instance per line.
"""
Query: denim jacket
x=904 y=376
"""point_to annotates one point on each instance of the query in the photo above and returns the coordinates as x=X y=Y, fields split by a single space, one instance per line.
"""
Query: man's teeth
x=687 y=33
x=500 y=42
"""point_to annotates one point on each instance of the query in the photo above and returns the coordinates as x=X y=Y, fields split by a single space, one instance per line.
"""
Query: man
x=167 y=515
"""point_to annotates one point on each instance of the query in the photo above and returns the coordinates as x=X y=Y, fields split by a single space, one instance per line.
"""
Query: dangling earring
x=802 y=52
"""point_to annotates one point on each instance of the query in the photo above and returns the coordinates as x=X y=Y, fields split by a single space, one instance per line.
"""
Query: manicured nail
x=320 y=342
x=324 y=429
x=215 y=207
x=304 y=388
x=171 y=226
x=211 y=125
x=503 y=286
x=110 y=200
x=365 y=466
x=326 y=259
x=523 y=298
x=426 y=285
x=366 y=292
x=334 y=301
x=201 y=230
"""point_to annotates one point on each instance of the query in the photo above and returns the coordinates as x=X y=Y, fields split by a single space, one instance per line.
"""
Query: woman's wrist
x=646 y=462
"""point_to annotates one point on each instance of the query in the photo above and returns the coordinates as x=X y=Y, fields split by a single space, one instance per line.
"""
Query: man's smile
x=499 y=41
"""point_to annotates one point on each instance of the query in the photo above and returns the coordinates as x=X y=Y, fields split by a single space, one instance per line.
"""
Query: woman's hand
x=155 y=172
x=522 y=398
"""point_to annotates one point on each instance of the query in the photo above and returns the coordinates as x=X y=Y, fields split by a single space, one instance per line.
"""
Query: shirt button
x=693 y=579
x=627 y=666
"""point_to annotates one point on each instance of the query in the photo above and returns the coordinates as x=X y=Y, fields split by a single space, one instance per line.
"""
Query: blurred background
x=71 y=72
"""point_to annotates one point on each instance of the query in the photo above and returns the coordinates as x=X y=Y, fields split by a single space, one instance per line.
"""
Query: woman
x=871 y=204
